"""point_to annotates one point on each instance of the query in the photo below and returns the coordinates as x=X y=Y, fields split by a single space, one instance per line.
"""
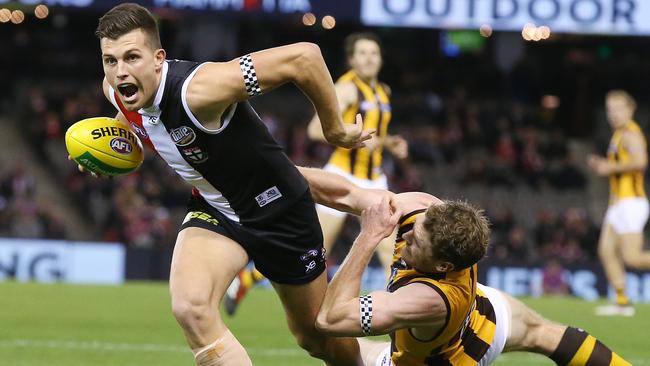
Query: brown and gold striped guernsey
x=374 y=106
x=629 y=184
x=470 y=324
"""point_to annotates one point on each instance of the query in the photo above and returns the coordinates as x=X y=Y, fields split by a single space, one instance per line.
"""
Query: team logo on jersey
x=182 y=136
x=139 y=130
x=121 y=145
x=195 y=154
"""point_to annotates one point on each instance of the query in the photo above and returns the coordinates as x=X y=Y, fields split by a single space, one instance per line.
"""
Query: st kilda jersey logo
x=182 y=136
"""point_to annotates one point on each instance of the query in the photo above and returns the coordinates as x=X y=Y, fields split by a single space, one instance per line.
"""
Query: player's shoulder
x=346 y=90
x=412 y=201
x=386 y=88
x=632 y=134
x=345 y=85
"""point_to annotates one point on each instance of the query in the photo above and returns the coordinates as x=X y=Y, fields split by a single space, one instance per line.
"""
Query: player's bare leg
x=301 y=305
x=631 y=249
x=203 y=265
x=530 y=332
x=609 y=246
x=331 y=223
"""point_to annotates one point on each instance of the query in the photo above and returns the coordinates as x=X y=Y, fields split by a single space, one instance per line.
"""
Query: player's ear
x=159 y=58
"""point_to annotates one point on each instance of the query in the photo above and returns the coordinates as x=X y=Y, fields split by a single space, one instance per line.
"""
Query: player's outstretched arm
x=337 y=192
x=346 y=95
x=217 y=85
x=344 y=313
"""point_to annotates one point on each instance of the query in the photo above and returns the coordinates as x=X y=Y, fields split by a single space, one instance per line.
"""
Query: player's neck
x=152 y=99
x=370 y=80
x=624 y=125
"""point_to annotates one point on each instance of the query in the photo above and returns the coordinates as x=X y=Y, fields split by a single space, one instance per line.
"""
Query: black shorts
x=287 y=249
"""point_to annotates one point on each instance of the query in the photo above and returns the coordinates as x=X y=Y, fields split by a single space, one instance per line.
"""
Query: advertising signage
x=616 y=17
x=343 y=9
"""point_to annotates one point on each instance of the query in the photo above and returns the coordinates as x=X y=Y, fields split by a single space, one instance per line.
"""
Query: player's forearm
x=628 y=166
x=331 y=190
x=335 y=191
x=343 y=291
x=315 y=130
x=314 y=79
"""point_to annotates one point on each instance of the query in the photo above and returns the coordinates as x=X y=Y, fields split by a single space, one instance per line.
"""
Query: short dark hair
x=351 y=41
x=125 y=18
x=459 y=233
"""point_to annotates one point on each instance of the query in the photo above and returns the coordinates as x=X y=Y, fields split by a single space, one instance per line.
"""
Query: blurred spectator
x=554 y=279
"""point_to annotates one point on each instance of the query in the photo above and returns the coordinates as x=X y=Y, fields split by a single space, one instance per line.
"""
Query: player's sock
x=256 y=275
x=621 y=298
x=244 y=281
x=246 y=278
x=224 y=351
x=579 y=348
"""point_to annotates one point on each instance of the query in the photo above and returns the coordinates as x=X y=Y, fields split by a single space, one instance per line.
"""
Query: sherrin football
x=104 y=145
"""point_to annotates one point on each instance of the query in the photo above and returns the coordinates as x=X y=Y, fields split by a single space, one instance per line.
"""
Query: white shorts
x=379 y=183
x=502 y=331
x=628 y=215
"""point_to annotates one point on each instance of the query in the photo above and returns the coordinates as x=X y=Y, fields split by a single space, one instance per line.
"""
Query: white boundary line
x=135 y=347
x=530 y=358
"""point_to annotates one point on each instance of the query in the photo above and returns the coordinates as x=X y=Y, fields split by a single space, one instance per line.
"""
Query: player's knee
x=312 y=342
x=605 y=252
x=534 y=338
x=634 y=261
x=191 y=312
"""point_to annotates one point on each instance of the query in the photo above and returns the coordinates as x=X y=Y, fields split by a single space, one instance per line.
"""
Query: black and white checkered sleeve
x=250 y=76
x=365 y=313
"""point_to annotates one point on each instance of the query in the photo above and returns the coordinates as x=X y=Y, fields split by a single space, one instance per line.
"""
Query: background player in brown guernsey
x=621 y=236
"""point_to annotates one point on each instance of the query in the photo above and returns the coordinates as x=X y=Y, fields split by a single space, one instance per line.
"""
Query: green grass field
x=64 y=325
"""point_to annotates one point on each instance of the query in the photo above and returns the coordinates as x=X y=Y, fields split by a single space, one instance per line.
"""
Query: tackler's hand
x=378 y=221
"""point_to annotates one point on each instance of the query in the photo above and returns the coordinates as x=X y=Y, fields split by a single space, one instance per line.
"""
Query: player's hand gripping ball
x=104 y=146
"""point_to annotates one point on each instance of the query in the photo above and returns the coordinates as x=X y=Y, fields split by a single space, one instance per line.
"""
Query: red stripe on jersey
x=135 y=119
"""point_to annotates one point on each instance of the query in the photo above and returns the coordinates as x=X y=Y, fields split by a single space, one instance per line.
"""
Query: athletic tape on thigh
x=365 y=313
x=250 y=76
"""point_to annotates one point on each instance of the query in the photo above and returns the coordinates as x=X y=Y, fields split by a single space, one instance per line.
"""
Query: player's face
x=619 y=112
x=132 y=68
x=366 y=59
x=417 y=252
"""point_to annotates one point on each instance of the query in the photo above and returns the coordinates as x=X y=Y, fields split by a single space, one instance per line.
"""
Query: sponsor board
x=61 y=261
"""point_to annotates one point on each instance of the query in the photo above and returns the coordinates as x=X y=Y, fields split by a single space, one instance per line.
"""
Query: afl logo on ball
x=121 y=145
x=182 y=136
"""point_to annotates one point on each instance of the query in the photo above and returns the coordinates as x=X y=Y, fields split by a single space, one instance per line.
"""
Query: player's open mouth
x=127 y=90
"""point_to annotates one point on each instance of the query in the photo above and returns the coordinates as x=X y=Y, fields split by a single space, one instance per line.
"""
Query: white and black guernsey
x=239 y=169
